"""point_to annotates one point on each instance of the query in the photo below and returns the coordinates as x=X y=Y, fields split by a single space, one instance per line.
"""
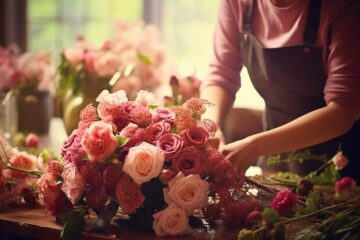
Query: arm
x=315 y=127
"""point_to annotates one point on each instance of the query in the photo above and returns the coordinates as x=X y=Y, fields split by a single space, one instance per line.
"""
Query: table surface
x=37 y=223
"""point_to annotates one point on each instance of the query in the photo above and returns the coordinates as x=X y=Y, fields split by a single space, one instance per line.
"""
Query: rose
x=144 y=162
x=92 y=172
x=195 y=136
x=188 y=192
x=98 y=141
x=154 y=131
x=111 y=176
x=171 y=144
x=134 y=133
x=189 y=161
x=21 y=160
x=344 y=188
x=167 y=174
x=171 y=221
x=32 y=140
x=74 y=183
x=96 y=197
x=340 y=160
x=164 y=114
x=129 y=194
x=285 y=202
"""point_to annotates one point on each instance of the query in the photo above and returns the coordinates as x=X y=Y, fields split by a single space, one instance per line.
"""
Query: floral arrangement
x=19 y=172
x=153 y=163
x=322 y=205
x=133 y=59
x=25 y=71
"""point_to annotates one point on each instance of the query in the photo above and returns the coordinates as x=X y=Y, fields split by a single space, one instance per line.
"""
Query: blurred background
x=186 y=27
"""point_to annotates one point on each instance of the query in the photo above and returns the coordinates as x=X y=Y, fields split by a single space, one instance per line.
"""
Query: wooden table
x=37 y=223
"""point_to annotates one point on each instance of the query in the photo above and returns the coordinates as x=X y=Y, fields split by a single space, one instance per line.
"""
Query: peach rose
x=188 y=192
x=144 y=162
x=171 y=221
x=340 y=160
x=21 y=160
x=98 y=141
x=74 y=183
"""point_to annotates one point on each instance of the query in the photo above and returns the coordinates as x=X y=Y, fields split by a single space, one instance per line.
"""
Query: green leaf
x=145 y=59
x=246 y=234
x=122 y=141
x=327 y=177
x=153 y=106
x=312 y=202
x=270 y=215
x=73 y=228
x=309 y=234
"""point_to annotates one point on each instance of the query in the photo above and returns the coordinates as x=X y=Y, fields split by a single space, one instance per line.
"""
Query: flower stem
x=31 y=172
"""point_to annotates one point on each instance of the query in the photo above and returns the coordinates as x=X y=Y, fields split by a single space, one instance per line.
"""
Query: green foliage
x=122 y=141
x=73 y=227
x=309 y=234
x=270 y=215
x=295 y=156
x=246 y=234
x=69 y=76
x=312 y=202
x=327 y=177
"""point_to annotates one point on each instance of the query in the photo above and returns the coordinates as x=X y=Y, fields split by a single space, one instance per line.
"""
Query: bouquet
x=153 y=163
x=133 y=59
x=25 y=71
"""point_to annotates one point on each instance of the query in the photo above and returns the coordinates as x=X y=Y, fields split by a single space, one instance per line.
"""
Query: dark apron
x=291 y=80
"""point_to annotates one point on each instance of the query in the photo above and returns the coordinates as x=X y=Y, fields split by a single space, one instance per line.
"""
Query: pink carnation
x=72 y=150
x=140 y=116
x=144 y=99
x=74 y=183
x=116 y=98
x=285 y=202
x=195 y=136
x=87 y=116
x=345 y=187
x=129 y=194
x=189 y=161
x=21 y=160
x=99 y=142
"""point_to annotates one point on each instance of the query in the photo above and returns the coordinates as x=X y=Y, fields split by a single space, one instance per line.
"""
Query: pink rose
x=154 y=131
x=32 y=140
x=98 y=141
x=340 y=160
x=188 y=192
x=166 y=175
x=129 y=194
x=345 y=187
x=164 y=114
x=285 y=202
x=144 y=162
x=195 y=136
x=171 y=221
x=189 y=161
x=135 y=134
x=171 y=144
x=21 y=160
x=74 y=183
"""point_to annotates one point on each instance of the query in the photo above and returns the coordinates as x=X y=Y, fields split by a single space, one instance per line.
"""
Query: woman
x=303 y=57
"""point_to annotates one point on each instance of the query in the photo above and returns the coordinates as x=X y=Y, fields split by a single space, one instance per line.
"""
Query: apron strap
x=312 y=22
x=247 y=17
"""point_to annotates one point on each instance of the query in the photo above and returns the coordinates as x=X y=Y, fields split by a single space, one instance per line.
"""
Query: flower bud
x=167 y=174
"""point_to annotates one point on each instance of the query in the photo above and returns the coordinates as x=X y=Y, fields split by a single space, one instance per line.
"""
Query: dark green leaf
x=312 y=202
x=270 y=215
x=73 y=228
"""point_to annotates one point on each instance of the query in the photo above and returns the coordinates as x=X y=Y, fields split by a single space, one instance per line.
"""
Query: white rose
x=188 y=192
x=171 y=221
x=144 y=162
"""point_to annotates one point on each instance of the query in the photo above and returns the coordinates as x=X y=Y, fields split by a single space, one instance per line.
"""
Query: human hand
x=242 y=154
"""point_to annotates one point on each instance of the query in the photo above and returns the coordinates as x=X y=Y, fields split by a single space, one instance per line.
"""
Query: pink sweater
x=279 y=27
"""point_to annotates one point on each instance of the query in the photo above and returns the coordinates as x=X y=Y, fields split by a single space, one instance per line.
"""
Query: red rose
x=195 y=136
x=111 y=176
x=129 y=194
x=285 y=202
x=171 y=144
x=190 y=161
x=96 y=197
x=345 y=187
x=154 y=131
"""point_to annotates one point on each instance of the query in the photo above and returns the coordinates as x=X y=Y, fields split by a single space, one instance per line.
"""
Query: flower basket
x=34 y=111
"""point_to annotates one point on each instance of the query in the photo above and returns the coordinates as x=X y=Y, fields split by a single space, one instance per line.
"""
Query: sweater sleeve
x=343 y=83
x=225 y=66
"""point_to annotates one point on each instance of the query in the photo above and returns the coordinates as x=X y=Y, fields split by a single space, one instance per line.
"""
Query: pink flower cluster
x=34 y=71
x=136 y=52
x=15 y=181
x=122 y=145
